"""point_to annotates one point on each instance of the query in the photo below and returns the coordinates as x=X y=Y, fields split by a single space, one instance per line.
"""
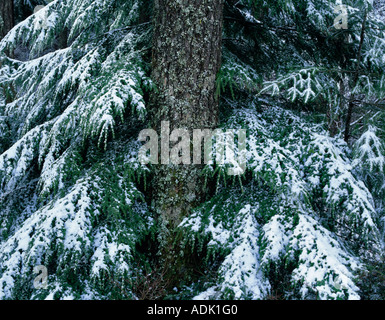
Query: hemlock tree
x=186 y=59
x=6 y=17
x=305 y=221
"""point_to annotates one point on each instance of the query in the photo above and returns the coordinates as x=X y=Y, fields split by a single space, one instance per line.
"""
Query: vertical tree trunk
x=186 y=58
x=355 y=80
x=6 y=17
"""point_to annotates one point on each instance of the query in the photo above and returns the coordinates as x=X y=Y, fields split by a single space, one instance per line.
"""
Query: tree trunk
x=6 y=17
x=186 y=58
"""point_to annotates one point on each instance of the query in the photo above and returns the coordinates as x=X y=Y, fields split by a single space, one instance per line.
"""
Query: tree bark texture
x=186 y=58
x=7 y=17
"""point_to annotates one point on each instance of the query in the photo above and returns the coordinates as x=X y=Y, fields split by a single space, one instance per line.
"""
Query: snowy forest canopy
x=305 y=221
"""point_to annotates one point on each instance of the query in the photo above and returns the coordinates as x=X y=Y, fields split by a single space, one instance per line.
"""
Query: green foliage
x=300 y=209
x=306 y=219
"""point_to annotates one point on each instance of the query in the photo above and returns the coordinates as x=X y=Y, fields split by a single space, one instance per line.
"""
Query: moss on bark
x=186 y=59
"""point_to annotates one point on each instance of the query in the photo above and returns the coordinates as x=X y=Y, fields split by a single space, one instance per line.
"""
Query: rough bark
x=186 y=59
x=7 y=17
